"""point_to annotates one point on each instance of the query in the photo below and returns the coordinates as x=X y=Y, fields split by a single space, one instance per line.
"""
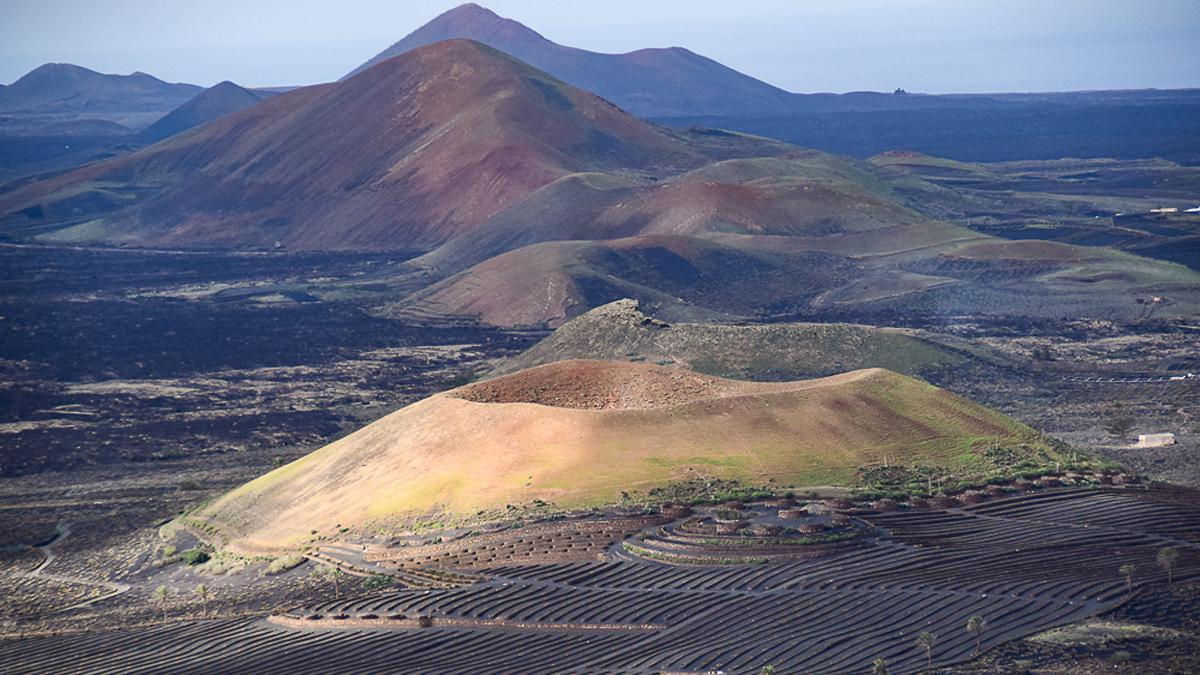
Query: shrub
x=283 y=564
x=727 y=515
x=377 y=581
x=194 y=556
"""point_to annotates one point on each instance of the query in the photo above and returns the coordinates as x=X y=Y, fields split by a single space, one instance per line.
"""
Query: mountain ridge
x=444 y=137
x=66 y=87
x=649 y=82
x=221 y=99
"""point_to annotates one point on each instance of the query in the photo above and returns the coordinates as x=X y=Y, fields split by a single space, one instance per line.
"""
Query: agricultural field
x=914 y=568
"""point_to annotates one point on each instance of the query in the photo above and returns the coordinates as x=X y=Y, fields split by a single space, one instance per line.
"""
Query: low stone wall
x=414 y=623
x=552 y=542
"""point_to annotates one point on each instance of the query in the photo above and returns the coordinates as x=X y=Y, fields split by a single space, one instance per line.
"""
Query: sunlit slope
x=579 y=433
x=621 y=331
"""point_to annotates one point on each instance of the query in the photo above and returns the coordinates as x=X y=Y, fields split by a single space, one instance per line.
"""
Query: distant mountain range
x=65 y=88
x=535 y=201
x=646 y=82
x=60 y=115
x=679 y=88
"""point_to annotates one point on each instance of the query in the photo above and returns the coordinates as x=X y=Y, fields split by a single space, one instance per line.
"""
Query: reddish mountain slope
x=805 y=193
x=407 y=154
x=684 y=277
x=646 y=82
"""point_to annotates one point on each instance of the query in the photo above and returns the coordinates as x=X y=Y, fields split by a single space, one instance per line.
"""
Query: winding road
x=39 y=572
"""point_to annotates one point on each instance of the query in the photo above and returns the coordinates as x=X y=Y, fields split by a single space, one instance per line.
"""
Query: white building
x=1155 y=440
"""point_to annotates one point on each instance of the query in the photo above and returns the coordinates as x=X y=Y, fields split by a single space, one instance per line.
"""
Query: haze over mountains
x=65 y=88
x=60 y=115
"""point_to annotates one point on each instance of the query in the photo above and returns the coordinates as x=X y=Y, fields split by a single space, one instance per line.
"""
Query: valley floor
x=107 y=432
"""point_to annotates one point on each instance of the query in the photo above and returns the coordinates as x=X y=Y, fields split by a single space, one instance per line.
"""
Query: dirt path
x=39 y=572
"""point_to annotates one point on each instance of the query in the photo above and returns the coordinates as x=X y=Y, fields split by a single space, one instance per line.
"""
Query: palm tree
x=161 y=595
x=767 y=670
x=975 y=626
x=1127 y=571
x=879 y=667
x=335 y=574
x=925 y=641
x=204 y=594
x=1166 y=559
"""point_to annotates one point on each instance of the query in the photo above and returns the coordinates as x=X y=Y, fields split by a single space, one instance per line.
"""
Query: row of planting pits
x=734 y=533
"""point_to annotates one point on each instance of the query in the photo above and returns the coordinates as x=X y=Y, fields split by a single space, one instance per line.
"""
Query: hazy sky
x=800 y=45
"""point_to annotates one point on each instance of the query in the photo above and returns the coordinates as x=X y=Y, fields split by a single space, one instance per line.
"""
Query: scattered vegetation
x=978 y=467
x=204 y=594
x=195 y=556
x=1119 y=426
x=377 y=581
x=283 y=563
x=335 y=575
x=1167 y=558
x=926 y=641
x=1127 y=571
x=162 y=597
x=975 y=626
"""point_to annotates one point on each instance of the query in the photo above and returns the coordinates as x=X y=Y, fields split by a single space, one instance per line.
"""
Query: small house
x=1155 y=440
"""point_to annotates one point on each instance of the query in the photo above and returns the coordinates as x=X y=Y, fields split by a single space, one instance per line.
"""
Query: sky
x=933 y=46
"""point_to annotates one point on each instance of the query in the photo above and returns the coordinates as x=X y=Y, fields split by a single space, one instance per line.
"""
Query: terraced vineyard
x=1023 y=563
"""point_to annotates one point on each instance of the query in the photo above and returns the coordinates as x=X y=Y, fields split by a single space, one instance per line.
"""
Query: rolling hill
x=921 y=273
x=579 y=433
x=801 y=193
x=646 y=82
x=404 y=155
x=621 y=331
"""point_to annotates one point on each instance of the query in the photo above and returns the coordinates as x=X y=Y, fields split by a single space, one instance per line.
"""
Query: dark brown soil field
x=1025 y=564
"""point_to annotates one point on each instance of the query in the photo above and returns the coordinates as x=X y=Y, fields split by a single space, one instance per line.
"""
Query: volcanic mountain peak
x=217 y=101
x=469 y=22
x=404 y=155
x=580 y=433
x=647 y=82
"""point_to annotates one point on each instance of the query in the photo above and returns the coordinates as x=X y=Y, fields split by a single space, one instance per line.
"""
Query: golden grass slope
x=578 y=433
